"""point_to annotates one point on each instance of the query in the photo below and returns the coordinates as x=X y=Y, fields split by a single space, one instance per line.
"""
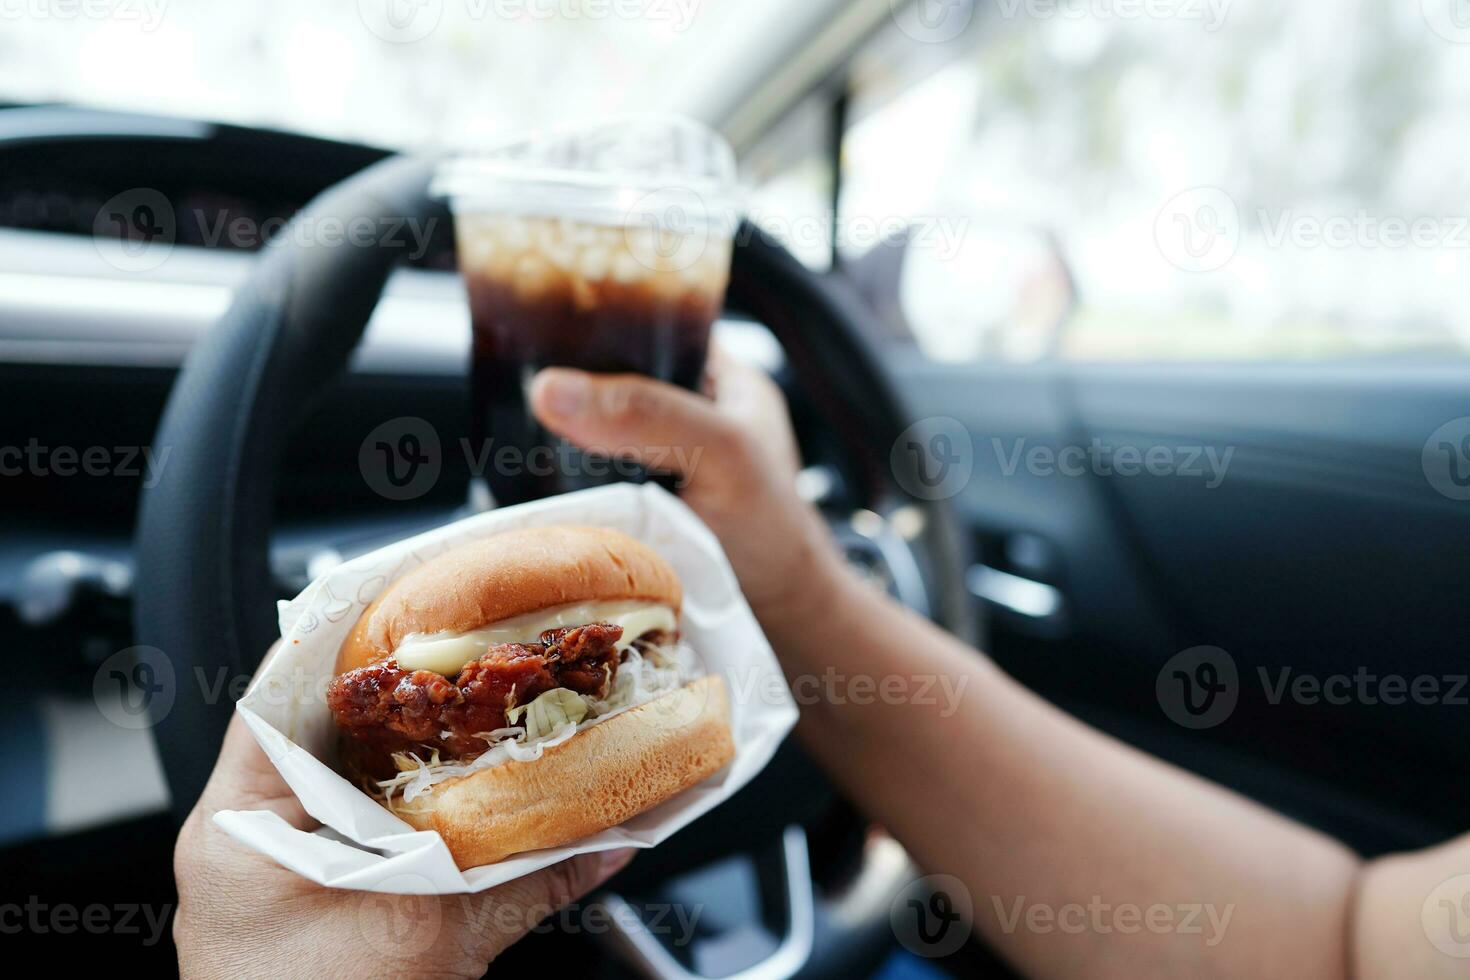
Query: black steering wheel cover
x=204 y=594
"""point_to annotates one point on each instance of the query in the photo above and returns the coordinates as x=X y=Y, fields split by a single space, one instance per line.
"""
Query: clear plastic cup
x=605 y=248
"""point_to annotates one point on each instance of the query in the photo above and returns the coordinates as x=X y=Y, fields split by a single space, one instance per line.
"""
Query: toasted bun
x=595 y=780
x=509 y=575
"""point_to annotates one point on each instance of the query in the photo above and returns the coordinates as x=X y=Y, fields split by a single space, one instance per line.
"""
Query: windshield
x=396 y=73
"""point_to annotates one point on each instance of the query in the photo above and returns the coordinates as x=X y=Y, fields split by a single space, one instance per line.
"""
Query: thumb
x=628 y=415
x=502 y=915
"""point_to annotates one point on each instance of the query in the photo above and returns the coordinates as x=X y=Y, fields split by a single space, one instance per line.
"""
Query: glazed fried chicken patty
x=382 y=708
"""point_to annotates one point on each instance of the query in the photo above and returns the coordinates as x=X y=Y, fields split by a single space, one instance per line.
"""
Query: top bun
x=507 y=575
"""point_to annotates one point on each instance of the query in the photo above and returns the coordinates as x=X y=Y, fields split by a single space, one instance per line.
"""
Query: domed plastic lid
x=629 y=170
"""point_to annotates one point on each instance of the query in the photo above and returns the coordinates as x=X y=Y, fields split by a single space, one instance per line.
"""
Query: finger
x=245 y=779
x=727 y=375
x=718 y=366
x=628 y=415
x=505 y=914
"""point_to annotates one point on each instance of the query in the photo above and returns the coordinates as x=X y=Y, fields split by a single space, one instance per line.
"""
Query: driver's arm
x=983 y=780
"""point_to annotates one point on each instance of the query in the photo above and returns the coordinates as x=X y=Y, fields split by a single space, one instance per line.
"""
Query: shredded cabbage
x=549 y=713
x=647 y=672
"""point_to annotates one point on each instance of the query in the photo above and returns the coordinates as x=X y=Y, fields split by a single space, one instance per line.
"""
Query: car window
x=789 y=170
x=1200 y=180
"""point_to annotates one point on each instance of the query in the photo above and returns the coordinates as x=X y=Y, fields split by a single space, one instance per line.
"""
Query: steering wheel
x=205 y=594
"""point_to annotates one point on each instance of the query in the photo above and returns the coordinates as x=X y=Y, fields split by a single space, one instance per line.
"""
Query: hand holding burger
x=241 y=914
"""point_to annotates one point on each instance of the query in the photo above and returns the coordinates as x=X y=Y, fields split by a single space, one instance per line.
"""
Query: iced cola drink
x=584 y=251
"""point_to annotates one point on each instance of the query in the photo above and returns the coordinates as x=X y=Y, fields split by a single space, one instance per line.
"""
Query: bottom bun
x=595 y=780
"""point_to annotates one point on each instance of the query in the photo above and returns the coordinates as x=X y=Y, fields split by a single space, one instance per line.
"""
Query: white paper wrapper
x=363 y=846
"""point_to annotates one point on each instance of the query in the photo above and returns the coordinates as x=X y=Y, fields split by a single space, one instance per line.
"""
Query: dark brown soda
x=607 y=327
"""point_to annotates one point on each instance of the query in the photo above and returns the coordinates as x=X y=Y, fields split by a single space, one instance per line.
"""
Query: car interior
x=954 y=229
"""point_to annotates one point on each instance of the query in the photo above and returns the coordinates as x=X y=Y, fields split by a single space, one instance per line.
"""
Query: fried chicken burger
x=527 y=690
